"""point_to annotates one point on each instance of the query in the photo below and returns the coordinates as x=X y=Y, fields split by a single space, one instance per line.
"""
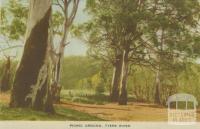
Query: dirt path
x=4 y=97
x=131 y=112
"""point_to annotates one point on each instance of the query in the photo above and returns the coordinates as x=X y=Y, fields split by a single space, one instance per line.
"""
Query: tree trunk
x=68 y=20
x=157 y=98
x=54 y=57
x=158 y=86
x=5 y=80
x=123 y=98
x=31 y=85
x=56 y=85
x=114 y=96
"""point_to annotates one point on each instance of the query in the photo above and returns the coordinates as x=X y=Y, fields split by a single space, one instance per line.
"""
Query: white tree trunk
x=31 y=85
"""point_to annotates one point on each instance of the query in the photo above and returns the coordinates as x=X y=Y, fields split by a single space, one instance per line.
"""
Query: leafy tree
x=115 y=35
x=13 y=20
x=171 y=29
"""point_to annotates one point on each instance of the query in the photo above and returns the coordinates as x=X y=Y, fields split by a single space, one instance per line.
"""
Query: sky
x=76 y=46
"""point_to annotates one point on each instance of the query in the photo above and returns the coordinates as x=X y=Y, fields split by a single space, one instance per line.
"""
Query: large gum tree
x=31 y=83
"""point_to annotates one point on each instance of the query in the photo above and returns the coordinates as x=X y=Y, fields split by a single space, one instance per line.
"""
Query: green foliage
x=62 y=114
x=178 y=21
x=77 y=71
x=100 y=89
x=189 y=80
x=162 y=34
x=13 y=20
x=87 y=96
x=57 y=23
x=101 y=83
x=12 y=70
x=141 y=84
x=94 y=80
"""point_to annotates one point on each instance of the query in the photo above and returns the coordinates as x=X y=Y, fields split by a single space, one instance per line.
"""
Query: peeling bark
x=31 y=87
x=68 y=20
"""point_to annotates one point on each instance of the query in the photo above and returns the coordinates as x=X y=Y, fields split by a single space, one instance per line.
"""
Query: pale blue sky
x=76 y=46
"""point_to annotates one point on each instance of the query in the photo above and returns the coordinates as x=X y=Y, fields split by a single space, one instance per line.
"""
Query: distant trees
x=141 y=81
x=5 y=82
x=31 y=83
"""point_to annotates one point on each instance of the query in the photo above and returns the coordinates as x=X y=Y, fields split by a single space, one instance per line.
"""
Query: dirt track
x=131 y=112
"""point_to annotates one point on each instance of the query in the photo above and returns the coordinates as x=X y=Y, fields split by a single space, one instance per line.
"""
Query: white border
x=83 y=124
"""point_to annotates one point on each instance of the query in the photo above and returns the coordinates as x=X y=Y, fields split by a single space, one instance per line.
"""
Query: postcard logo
x=182 y=109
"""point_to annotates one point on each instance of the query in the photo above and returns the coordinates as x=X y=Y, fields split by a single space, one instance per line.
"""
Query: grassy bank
x=62 y=114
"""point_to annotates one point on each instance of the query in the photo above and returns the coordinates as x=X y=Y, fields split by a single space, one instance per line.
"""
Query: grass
x=84 y=96
x=62 y=114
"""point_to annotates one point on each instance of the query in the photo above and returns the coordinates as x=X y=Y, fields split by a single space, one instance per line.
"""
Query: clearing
x=134 y=111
